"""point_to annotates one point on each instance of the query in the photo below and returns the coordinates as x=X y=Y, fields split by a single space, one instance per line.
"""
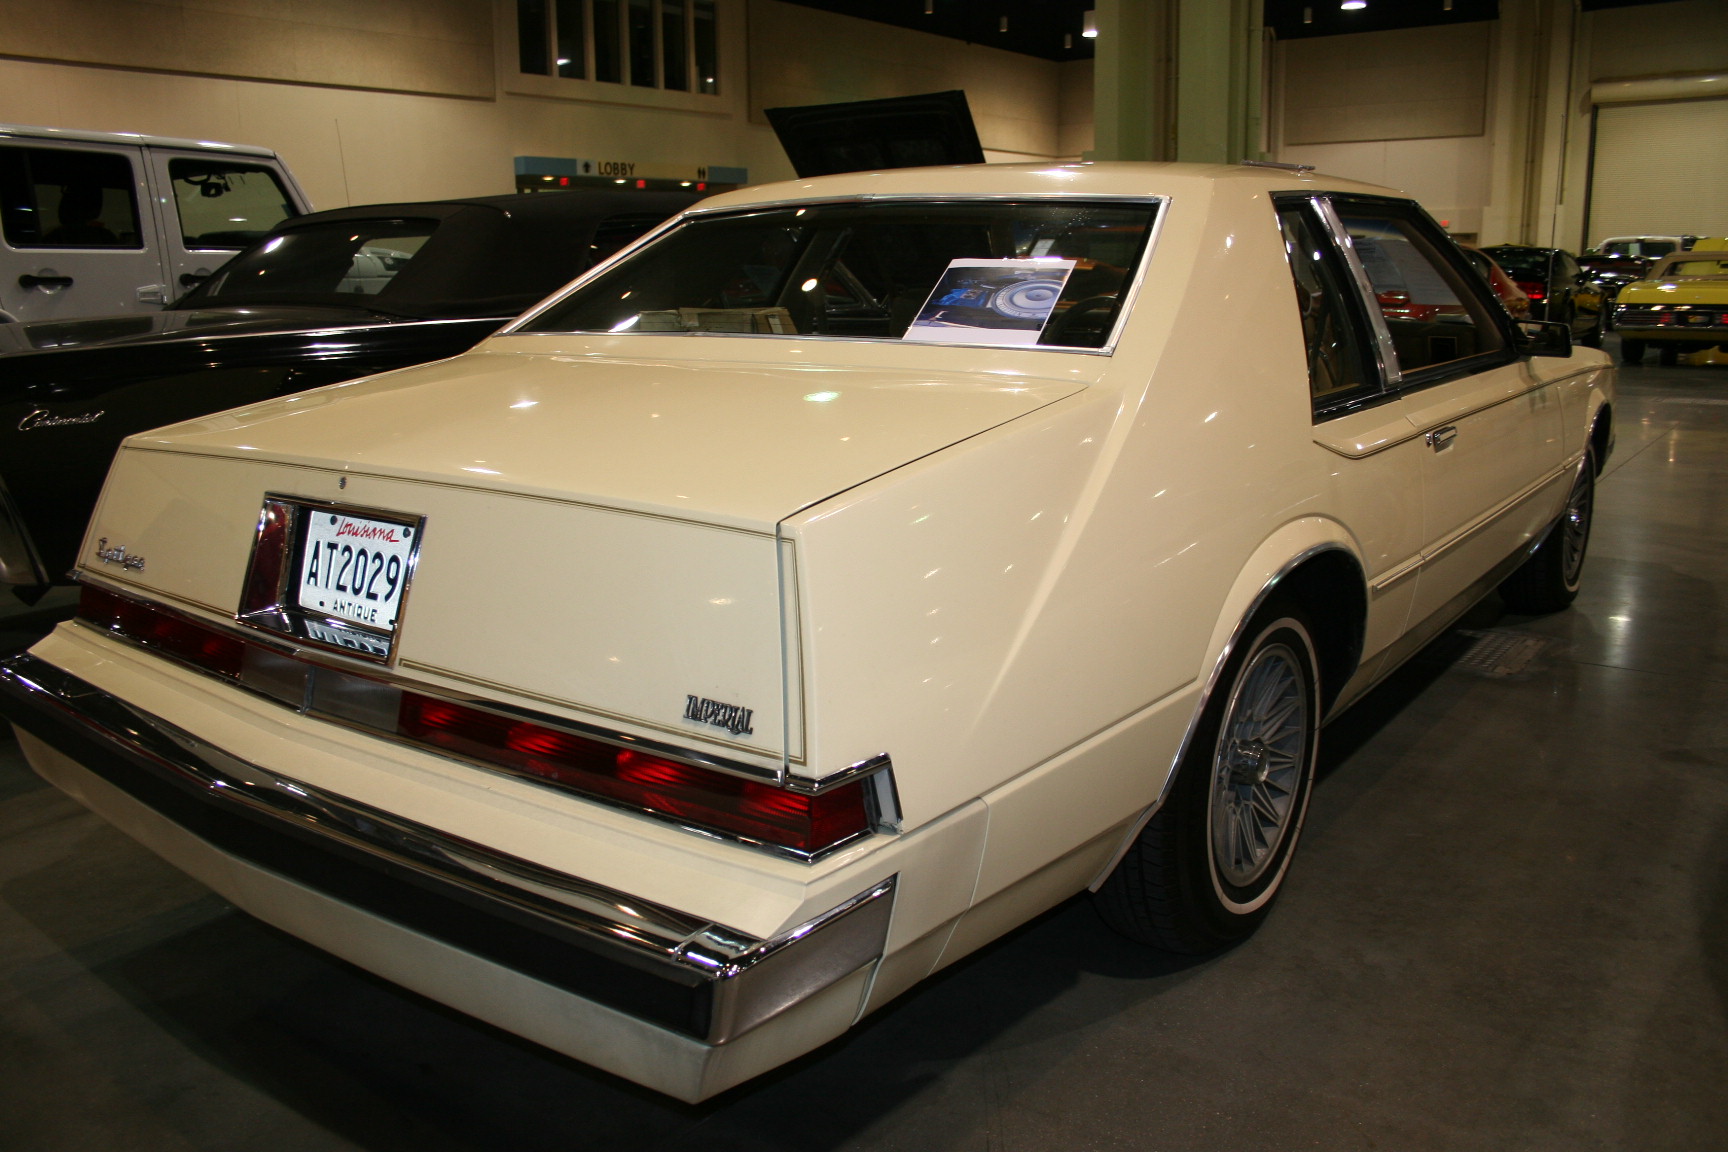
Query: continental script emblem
x=118 y=556
x=42 y=418
x=731 y=717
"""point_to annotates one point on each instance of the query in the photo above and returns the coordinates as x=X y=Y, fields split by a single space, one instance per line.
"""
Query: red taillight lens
x=191 y=642
x=269 y=557
x=687 y=793
x=1534 y=289
x=695 y=795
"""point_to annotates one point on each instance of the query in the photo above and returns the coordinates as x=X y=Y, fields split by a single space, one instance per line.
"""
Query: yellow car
x=1680 y=306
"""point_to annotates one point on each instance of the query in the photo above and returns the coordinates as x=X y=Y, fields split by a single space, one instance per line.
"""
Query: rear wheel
x=1548 y=581
x=1204 y=872
x=1631 y=351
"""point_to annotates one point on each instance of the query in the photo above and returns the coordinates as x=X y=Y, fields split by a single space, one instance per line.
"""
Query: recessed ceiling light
x=1089 y=24
x=1353 y=5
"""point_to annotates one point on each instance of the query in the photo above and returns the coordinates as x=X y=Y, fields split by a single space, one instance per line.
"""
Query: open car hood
x=869 y=135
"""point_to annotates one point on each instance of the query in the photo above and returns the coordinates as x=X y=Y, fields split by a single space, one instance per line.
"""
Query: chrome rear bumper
x=695 y=977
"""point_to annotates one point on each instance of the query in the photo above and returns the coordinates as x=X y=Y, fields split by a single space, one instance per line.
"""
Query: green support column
x=1177 y=80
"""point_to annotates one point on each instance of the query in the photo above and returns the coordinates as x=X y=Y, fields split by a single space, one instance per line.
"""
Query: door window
x=64 y=198
x=223 y=204
x=1340 y=372
x=1435 y=315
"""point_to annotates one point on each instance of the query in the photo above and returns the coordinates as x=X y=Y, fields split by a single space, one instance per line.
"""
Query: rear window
x=1693 y=267
x=1524 y=264
x=324 y=263
x=960 y=272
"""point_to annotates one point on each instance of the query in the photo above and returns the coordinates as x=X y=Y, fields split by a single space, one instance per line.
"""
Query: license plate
x=354 y=568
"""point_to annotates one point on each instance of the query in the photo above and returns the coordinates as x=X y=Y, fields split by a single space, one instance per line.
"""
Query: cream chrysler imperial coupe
x=840 y=576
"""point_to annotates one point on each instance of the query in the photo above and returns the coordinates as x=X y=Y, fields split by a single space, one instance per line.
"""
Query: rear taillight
x=1534 y=289
x=173 y=635
x=733 y=805
x=699 y=796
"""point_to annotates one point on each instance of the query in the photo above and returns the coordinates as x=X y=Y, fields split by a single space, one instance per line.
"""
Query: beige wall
x=374 y=100
x=1488 y=124
x=428 y=46
x=1658 y=39
x=1407 y=108
x=1409 y=84
x=1074 y=123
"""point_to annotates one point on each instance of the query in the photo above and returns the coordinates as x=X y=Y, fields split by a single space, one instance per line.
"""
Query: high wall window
x=670 y=44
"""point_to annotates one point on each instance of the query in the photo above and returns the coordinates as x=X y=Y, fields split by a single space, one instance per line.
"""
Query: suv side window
x=224 y=204
x=63 y=198
x=1341 y=373
x=1435 y=314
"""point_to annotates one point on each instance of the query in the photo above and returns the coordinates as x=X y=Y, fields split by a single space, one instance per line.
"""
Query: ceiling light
x=1089 y=24
x=1003 y=26
x=1353 y=5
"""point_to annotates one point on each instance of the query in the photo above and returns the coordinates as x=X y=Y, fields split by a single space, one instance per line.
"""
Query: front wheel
x=1593 y=338
x=1668 y=355
x=1548 y=581
x=1204 y=872
x=1631 y=351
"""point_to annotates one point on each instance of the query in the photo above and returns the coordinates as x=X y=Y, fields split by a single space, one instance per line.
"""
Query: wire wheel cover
x=1575 y=529
x=1258 y=767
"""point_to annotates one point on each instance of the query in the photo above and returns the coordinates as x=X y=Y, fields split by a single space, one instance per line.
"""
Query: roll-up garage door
x=1660 y=170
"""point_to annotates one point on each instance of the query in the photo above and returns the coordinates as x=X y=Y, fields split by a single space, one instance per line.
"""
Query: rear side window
x=1340 y=371
x=324 y=263
x=64 y=198
x=223 y=204
x=1434 y=314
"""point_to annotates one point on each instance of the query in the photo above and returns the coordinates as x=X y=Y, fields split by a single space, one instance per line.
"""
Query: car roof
x=534 y=207
x=135 y=138
x=1102 y=178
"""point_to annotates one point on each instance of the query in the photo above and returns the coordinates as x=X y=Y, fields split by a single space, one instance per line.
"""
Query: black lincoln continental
x=324 y=298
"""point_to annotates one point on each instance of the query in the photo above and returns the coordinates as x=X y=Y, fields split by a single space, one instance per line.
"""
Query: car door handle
x=46 y=283
x=1440 y=437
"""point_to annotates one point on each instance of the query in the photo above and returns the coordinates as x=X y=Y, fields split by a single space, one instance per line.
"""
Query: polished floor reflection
x=1508 y=928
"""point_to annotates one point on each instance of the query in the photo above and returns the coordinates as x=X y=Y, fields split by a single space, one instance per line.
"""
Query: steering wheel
x=1071 y=330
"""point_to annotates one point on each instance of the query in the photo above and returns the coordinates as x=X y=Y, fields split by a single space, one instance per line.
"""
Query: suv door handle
x=46 y=283
x=153 y=294
x=1441 y=437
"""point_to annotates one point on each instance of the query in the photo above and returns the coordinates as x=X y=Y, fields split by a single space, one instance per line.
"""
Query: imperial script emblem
x=118 y=556
x=732 y=717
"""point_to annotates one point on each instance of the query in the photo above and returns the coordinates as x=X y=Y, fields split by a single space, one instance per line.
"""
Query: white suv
x=93 y=223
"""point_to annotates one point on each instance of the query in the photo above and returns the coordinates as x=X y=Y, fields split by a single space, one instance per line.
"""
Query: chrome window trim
x=1129 y=295
x=666 y=940
x=1390 y=373
x=881 y=794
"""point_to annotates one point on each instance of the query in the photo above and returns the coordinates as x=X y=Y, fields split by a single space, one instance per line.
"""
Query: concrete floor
x=1507 y=929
